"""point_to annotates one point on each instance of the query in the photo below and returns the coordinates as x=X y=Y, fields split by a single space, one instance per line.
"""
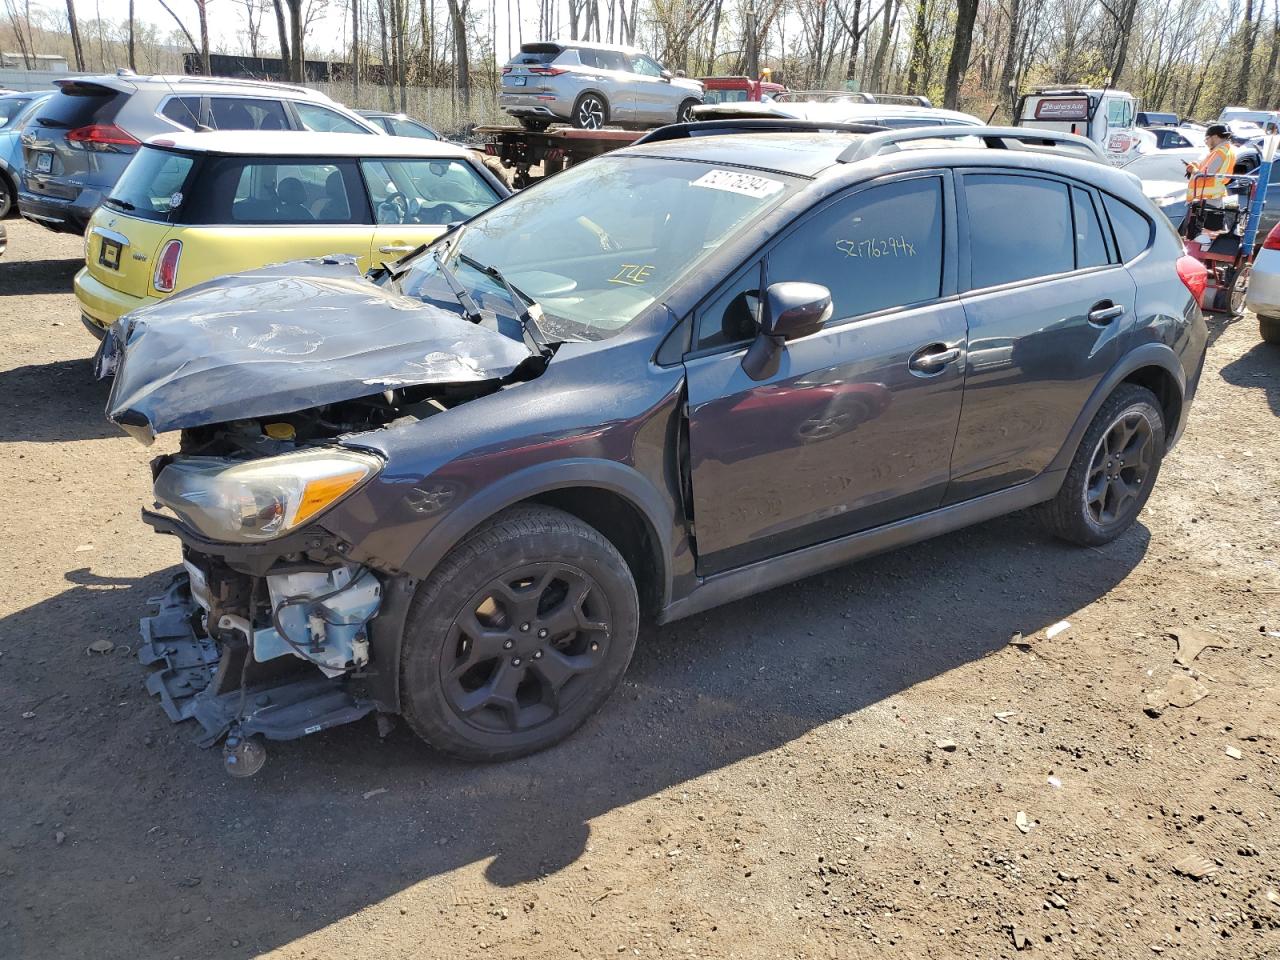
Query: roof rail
x=904 y=99
x=992 y=137
x=710 y=128
x=824 y=96
x=243 y=82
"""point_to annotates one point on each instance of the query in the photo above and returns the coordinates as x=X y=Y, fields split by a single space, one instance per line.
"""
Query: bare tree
x=76 y=47
x=282 y=28
x=202 y=48
x=133 y=45
x=961 y=45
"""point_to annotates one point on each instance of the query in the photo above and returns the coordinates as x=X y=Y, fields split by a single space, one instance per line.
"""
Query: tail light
x=548 y=71
x=1273 y=239
x=505 y=71
x=100 y=135
x=1193 y=275
x=166 y=275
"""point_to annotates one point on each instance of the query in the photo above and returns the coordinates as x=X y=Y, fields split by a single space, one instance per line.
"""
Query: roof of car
x=300 y=143
x=127 y=82
x=837 y=112
x=532 y=46
x=803 y=154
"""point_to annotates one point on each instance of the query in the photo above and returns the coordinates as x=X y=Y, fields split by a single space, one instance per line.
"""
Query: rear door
x=415 y=200
x=1048 y=305
x=855 y=428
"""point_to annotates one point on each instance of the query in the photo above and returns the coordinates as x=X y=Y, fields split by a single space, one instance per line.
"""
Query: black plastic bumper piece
x=185 y=662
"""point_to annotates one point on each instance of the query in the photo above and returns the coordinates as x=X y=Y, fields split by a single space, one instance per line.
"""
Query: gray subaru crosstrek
x=78 y=142
x=591 y=85
x=730 y=356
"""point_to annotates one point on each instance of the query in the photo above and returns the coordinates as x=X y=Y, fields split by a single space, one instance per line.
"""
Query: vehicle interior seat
x=291 y=200
x=333 y=205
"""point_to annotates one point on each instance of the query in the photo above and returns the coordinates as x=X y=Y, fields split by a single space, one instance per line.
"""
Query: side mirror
x=667 y=75
x=791 y=310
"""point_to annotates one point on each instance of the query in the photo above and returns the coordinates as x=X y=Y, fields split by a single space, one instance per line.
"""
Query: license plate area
x=109 y=254
x=513 y=81
x=44 y=162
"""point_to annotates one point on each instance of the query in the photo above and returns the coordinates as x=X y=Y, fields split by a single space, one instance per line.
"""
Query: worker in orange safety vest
x=1207 y=180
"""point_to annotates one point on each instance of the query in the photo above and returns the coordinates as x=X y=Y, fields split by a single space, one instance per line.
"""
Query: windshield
x=1252 y=116
x=151 y=186
x=597 y=244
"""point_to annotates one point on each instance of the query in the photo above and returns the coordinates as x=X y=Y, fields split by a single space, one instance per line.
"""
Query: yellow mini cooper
x=194 y=206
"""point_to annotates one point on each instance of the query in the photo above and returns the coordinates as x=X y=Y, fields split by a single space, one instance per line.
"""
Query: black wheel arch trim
x=542 y=478
x=1147 y=355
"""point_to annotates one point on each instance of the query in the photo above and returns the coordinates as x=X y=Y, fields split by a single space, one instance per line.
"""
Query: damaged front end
x=273 y=629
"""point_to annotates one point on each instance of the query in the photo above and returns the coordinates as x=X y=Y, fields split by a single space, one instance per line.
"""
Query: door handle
x=933 y=358
x=396 y=248
x=1104 y=311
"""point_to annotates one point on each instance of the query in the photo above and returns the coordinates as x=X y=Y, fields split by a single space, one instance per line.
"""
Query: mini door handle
x=933 y=358
x=396 y=248
x=1105 y=312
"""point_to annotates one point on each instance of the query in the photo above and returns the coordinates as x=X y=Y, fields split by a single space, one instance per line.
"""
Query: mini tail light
x=102 y=135
x=1273 y=239
x=166 y=275
x=1193 y=275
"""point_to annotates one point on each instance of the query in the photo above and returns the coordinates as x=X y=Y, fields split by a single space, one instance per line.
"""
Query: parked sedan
x=678 y=374
x=591 y=85
x=197 y=205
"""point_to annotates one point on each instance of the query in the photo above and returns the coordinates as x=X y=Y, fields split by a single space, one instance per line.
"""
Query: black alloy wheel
x=519 y=634
x=1121 y=464
x=522 y=647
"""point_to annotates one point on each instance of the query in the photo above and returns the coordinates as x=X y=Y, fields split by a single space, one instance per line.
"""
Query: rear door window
x=407 y=128
x=1091 y=247
x=10 y=107
x=1132 y=229
x=875 y=249
x=425 y=191
x=80 y=104
x=1019 y=228
x=243 y=113
x=324 y=120
x=294 y=193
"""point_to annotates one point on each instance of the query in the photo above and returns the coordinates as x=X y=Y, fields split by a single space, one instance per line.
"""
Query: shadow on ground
x=67 y=403
x=21 y=278
x=1258 y=369
x=299 y=847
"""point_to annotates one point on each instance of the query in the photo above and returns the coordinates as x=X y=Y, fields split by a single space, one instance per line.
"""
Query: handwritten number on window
x=877 y=247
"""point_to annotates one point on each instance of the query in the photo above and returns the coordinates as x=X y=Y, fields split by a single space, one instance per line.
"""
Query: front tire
x=590 y=112
x=685 y=113
x=1113 y=471
x=1269 y=328
x=519 y=635
x=8 y=195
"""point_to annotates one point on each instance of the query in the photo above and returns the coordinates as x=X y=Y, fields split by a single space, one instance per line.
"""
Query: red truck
x=739 y=90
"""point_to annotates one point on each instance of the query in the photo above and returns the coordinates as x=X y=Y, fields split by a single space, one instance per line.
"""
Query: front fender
x=541 y=478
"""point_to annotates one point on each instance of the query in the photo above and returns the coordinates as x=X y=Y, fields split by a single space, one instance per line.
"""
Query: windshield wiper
x=469 y=306
x=523 y=303
x=122 y=204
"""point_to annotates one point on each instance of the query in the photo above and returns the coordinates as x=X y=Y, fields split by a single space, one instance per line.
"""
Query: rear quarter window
x=80 y=104
x=1132 y=229
x=153 y=186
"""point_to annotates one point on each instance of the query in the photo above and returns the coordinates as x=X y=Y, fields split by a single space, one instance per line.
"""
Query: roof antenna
x=198 y=127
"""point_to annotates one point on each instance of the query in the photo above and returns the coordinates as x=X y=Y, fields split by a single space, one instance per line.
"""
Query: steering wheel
x=441 y=213
x=396 y=202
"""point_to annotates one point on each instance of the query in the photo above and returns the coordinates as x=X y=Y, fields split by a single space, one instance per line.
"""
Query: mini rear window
x=80 y=104
x=151 y=187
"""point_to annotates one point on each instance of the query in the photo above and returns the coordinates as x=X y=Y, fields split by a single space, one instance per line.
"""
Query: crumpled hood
x=285 y=338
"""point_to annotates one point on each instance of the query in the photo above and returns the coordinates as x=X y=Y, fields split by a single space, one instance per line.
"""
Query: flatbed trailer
x=550 y=150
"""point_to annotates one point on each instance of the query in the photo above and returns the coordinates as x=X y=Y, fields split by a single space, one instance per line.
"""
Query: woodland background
x=441 y=59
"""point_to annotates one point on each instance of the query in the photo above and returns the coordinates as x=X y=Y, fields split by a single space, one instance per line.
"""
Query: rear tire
x=1269 y=328
x=1113 y=471
x=8 y=196
x=518 y=636
x=590 y=112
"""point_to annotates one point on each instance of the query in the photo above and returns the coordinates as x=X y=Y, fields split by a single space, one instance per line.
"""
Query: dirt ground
x=858 y=765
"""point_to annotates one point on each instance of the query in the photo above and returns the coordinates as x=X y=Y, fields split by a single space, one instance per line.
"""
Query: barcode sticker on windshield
x=734 y=182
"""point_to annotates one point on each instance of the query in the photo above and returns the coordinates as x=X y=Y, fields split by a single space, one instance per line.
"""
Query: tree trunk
x=878 y=79
x=1246 y=55
x=355 y=53
x=283 y=29
x=461 y=63
x=203 y=14
x=133 y=55
x=966 y=14
x=76 y=47
x=1010 y=64
x=851 y=68
x=296 y=61
x=919 y=46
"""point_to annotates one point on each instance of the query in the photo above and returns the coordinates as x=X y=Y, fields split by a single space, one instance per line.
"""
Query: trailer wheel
x=1239 y=287
x=590 y=112
x=534 y=125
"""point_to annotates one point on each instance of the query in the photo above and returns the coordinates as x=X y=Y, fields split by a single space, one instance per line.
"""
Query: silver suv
x=592 y=84
x=78 y=142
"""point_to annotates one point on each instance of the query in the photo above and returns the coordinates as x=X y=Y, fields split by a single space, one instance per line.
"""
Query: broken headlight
x=239 y=501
